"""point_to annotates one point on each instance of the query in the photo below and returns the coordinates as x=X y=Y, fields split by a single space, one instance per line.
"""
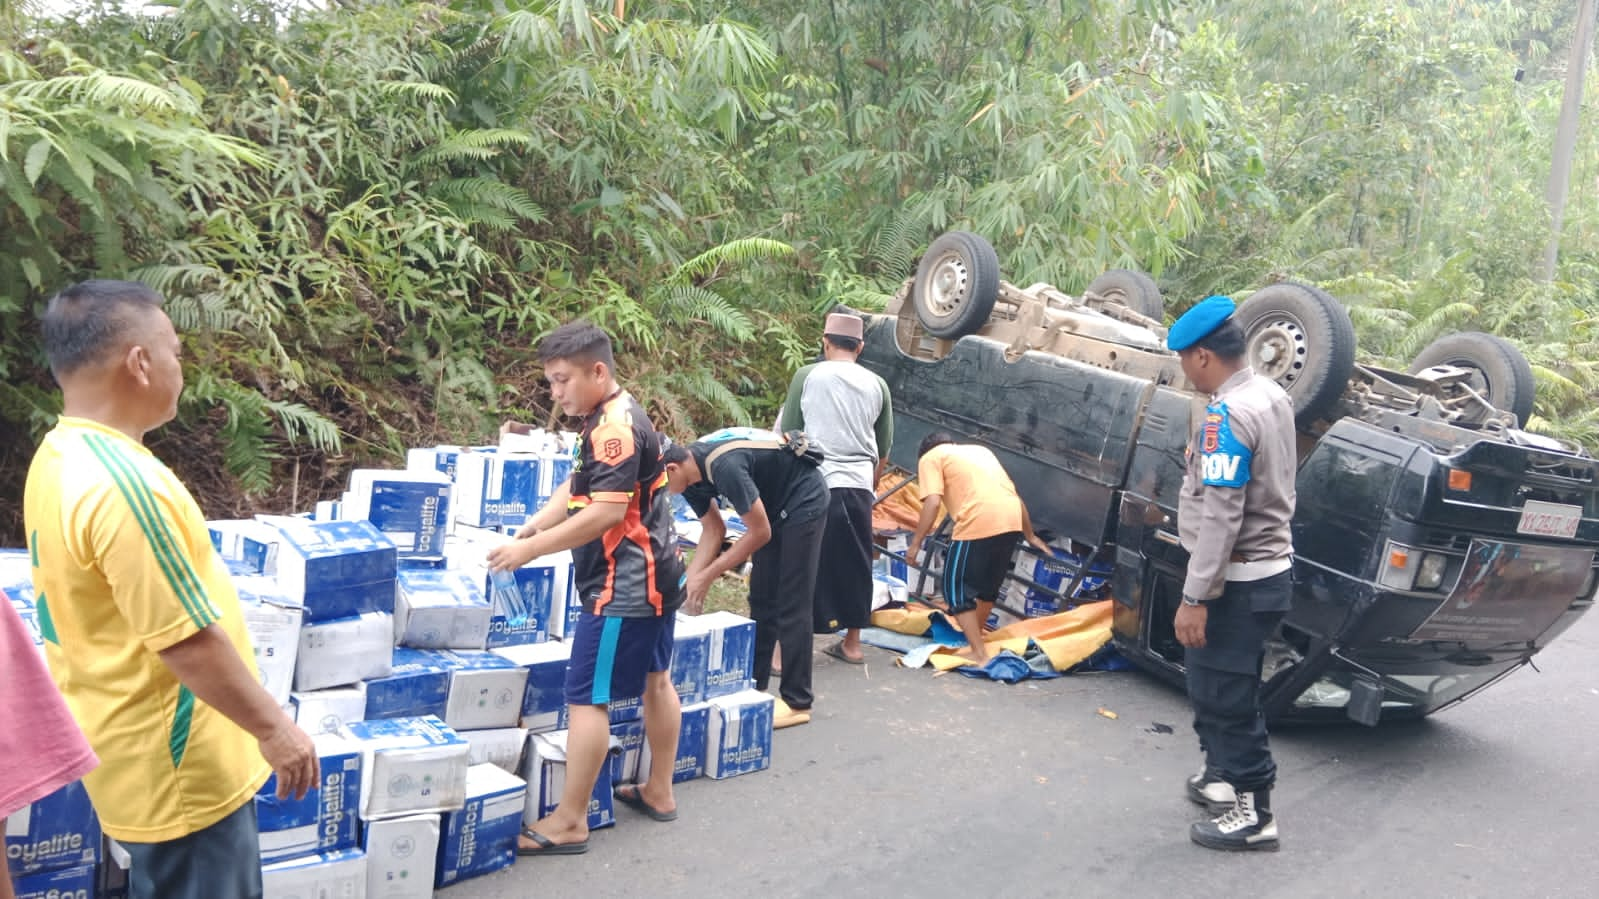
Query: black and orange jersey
x=634 y=570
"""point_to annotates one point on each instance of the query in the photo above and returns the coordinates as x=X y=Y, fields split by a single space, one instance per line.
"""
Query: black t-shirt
x=634 y=571
x=791 y=488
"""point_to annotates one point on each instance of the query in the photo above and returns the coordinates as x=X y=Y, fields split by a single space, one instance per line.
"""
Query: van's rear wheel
x=1499 y=371
x=956 y=284
x=1135 y=290
x=1302 y=338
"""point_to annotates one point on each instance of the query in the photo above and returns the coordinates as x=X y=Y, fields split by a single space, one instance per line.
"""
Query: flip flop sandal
x=548 y=846
x=836 y=650
x=635 y=800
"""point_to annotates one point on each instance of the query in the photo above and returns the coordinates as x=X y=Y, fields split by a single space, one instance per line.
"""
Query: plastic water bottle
x=508 y=598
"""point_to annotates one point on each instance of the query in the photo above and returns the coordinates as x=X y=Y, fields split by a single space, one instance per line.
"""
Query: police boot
x=1215 y=794
x=1248 y=826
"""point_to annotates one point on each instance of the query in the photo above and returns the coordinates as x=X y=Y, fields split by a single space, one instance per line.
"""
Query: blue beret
x=1198 y=322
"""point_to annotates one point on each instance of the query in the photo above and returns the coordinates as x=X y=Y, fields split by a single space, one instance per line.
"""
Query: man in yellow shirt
x=989 y=518
x=142 y=627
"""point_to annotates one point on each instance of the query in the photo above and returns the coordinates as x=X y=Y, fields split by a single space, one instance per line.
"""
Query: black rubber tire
x=1504 y=376
x=1312 y=341
x=956 y=284
x=1135 y=290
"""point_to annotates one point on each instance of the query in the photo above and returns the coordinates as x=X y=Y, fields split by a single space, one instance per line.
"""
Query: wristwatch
x=1190 y=601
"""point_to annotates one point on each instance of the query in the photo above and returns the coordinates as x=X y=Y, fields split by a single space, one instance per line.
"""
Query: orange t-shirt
x=977 y=491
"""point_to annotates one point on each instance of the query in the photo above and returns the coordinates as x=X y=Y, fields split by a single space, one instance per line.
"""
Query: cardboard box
x=493 y=489
x=546 y=777
x=59 y=831
x=325 y=711
x=888 y=589
x=411 y=508
x=522 y=612
x=738 y=734
x=335 y=569
x=418 y=685
x=344 y=651
x=481 y=837
x=545 y=698
x=486 y=690
x=691 y=650
x=401 y=857
x=410 y=765
x=26 y=610
x=501 y=748
x=440 y=609
x=730 y=656
x=326 y=875
x=629 y=736
x=690 y=762
x=273 y=622
x=112 y=875
x=247 y=542
x=326 y=819
x=434 y=458
x=64 y=883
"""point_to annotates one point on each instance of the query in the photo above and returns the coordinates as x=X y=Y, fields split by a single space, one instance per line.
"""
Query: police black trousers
x=1224 y=682
x=222 y=861
x=782 y=583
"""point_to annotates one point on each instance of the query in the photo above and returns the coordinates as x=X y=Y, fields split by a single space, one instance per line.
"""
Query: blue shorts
x=611 y=656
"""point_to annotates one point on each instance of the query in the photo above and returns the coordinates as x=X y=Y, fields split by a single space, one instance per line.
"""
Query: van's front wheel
x=956 y=284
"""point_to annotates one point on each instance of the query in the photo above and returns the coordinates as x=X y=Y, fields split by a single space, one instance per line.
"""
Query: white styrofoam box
x=247 y=542
x=59 y=831
x=481 y=837
x=344 y=650
x=545 y=699
x=61 y=883
x=417 y=685
x=690 y=761
x=440 y=609
x=629 y=735
x=730 y=657
x=738 y=734
x=501 y=747
x=411 y=508
x=335 y=568
x=326 y=875
x=273 y=622
x=486 y=690
x=325 y=819
x=325 y=711
x=401 y=856
x=546 y=778
x=409 y=765
x=494 y=489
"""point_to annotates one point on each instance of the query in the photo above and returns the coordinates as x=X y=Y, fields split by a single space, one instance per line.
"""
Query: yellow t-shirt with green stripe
x=123 y=567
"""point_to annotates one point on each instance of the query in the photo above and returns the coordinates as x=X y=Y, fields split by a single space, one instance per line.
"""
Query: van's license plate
x=1549 y=519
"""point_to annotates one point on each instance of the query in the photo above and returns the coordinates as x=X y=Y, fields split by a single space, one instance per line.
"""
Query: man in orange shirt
x=989 y=518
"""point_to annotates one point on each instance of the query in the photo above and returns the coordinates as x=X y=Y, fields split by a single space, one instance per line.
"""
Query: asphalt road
x=911 y=784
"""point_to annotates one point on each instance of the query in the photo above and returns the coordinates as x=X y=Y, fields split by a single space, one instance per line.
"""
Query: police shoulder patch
x=1224 y=458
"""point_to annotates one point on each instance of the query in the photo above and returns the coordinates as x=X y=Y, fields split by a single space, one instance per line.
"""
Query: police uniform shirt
x=1237 y=498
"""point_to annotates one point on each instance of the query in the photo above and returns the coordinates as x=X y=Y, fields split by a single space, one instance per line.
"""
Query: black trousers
x=1224 y=681
x=843 y=595
x=782 y=582
x=222 y=861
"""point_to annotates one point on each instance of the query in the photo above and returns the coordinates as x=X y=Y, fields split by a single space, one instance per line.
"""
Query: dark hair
x=673 y=453
x=579 y=341
x=937 y=438
x=847 y=344
x=1227 y=341
x=85 y=322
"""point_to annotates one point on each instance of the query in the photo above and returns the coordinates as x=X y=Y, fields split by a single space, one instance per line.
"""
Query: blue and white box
x=334 y=875
x=690 y=762
x=738 y=735
x=25 y=610
x=335 y=569
x=410 y=765
x=502 y=747
x=496 y=489
x=565 y=607
x=247 y=542
x=418 y=685
x=325 y=819
x=481 y=837
x=326 y=711
x=555 y=469
x=438 y=458
x=273 y=622
x=691 y=650
x=486 y=690
x=411 y=508
x=59 y=831
x=441 y=609
x=65 y=883
x=546 y=777
x=888 y=589
x=730 y=654
x=544 y=702
x=344 y=651
x=401 y=856
x=523 y=614
x=629 y=735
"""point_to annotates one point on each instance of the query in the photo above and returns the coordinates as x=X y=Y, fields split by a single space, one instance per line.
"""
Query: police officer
x=1233 y=515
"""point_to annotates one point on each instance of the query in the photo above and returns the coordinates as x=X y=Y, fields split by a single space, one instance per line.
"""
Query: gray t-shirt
x=846 y=409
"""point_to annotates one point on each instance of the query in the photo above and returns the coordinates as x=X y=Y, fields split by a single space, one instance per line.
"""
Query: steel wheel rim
x=948 y=285
x=1278 y=348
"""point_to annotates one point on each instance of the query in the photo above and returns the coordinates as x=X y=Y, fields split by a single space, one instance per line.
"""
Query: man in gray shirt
x=1234 y=516
x=846 y=409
